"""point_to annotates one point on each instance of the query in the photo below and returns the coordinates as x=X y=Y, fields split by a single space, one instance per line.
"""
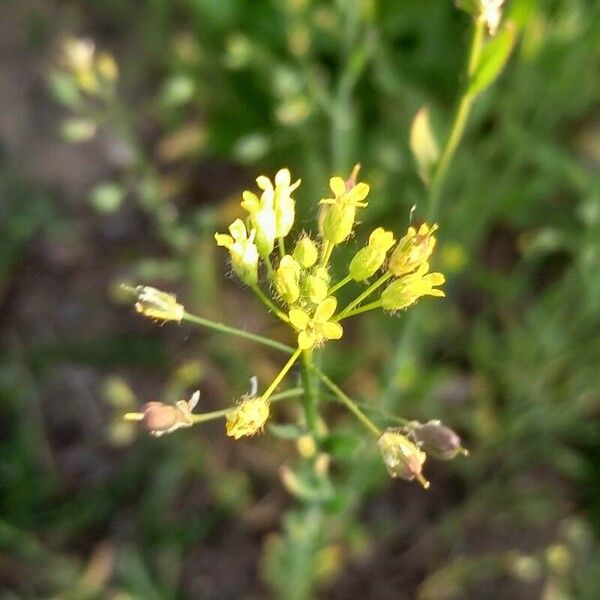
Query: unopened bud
x=368 y=260
x=401 y=457
x=306 y=252
x=158 y=305
x=436 y=439
x=316 y=288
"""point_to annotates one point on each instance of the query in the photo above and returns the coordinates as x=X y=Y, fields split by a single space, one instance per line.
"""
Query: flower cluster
x=299 y=287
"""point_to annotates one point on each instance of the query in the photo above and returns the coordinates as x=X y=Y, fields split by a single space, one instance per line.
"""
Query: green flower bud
x=406 y=291
x=315 y=288
x=436 y=439
x=287 y=279
x=401 y=457
x=368 y=260
x=306 y=252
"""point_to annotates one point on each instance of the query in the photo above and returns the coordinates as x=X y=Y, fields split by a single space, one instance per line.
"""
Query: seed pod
x=401 y=457
x=437 y=440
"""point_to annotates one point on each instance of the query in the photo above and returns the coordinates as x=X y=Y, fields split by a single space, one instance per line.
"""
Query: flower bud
x=248 y=418
x=287 y=279
x=436 y=439
x=401 y=457
x=158 y=305
x=306 y=252
x=412 y=250
x=243 y=251
x=406 y=291
x=315 y=288
x=368 y=260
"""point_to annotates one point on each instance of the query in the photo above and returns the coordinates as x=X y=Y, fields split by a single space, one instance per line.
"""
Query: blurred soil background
x=92 y=508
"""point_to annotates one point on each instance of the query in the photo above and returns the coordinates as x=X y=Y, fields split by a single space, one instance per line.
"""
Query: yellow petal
x=283 y=178
x=337 y=185
x=223 y=239
x=306 y=341
x=325 y=310
x=359 y=192
x=264 y=183
x=332 y=330
x=299 y=319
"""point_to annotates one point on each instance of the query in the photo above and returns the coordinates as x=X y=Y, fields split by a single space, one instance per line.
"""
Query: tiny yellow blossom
x=159 y=418
x=248 y=418
x=368 y=260
x=158 y=305
x=287 y=279
x=338 y=213
x=262 y=217
x=412 y=250
x=281 y=197
x=243 y=251
x=401 y=457
x=407 y=290
x=314 y=330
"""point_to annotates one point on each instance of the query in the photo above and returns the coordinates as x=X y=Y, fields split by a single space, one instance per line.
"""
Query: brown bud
x=159 y=418
x=436 y=439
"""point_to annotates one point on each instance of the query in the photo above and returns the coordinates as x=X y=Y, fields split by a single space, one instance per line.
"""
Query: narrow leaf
x=493 y=59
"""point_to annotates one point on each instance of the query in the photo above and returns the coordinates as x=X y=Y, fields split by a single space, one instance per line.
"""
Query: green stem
x=288 y=365
x=458 y=126
x=348 y=402
x=361 y=309
x=281 y=245
x=326 y=250
x=340 y=284
x=363 y=296
x=269 y=304
x=310 y=392
x=217 y=414
x=237 y=332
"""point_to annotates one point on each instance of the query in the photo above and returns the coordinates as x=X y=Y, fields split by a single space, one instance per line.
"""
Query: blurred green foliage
x=510 y=359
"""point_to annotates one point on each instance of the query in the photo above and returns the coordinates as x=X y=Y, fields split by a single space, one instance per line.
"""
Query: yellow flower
x=314 y=330
x=158 y=305
x=368 y=260
x=262 y=217
x=243 y=251
x=407 y=290
x=159 y=418
x=412 y=250
x=401 y=457
x=281 y=197
x=338 y=213
x=287 y=279
x=248 y=418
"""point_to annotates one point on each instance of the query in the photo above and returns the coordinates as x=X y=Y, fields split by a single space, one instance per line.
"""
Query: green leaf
x=493 y=59
x=423 y=144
